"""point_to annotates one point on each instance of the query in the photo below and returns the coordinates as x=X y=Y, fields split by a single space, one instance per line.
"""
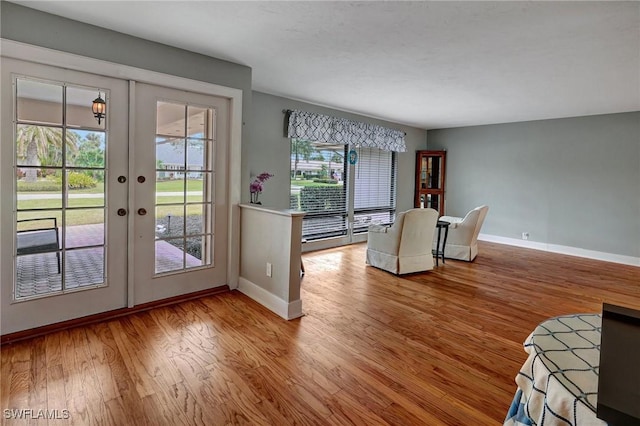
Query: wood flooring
x=435 y=348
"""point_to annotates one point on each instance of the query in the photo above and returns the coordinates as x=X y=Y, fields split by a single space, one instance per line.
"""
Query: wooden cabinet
x=430 y=174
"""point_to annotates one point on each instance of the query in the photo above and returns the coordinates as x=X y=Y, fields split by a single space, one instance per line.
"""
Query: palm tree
x=300 y=147
x=41 y=146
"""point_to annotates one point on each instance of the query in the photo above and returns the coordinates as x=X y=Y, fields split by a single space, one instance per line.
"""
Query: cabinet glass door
x=430 y=173
x=430 y=201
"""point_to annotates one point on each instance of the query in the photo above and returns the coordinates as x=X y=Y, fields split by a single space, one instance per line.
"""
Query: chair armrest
x=380 y=229
x=453 y=221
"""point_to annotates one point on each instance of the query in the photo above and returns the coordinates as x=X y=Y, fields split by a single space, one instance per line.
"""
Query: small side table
x=439 y=251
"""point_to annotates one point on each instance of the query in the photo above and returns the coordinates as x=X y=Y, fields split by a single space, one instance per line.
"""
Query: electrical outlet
x=269 y=269
x=525 y=235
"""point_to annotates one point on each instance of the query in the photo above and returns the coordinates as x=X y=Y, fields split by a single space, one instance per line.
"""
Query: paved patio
x=37 y=274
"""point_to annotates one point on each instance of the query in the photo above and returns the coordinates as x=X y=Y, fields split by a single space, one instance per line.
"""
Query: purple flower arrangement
x=255 y=188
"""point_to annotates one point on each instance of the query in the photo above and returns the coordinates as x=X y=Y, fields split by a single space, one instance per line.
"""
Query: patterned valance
x=333 y=130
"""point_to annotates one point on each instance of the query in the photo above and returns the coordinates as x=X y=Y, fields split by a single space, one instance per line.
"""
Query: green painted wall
x=572 y=182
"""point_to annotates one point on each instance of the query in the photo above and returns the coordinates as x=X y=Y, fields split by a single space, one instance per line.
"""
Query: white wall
x=274 y=237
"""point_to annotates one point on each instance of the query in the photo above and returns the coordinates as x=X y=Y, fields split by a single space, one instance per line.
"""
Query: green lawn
x=90 y=215
x=49 y=203
x=178 y=185
x=162 y=186
x=74 y=217
x=96 y=215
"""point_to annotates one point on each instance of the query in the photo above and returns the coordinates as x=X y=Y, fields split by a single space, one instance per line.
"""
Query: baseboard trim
x=284 y=309
x=109 y=315
x=556 y=248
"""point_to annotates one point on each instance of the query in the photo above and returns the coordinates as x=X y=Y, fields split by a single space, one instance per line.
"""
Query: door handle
x=142 y=212
x=122 y=179
x=141 y=179
x=122 y=212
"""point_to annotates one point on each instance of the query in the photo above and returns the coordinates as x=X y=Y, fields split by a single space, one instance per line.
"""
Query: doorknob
x=142 y=212
x=122 y=179
x=122 y=212
x=141 y=179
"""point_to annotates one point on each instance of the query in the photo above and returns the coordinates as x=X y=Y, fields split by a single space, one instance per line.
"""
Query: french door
x=92 y=220
x=62 y=239
x=179 y=188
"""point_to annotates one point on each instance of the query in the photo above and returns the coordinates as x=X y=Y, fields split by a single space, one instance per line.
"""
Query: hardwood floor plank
x=346 y=410
x=437 y=348
x=395 y=414
x=71 y=342
x=16 y=379
x=142 y=371
x=38 y=378
x=115 y=412
x=5 y=375
x=56 y=394
x=104 y=355
x=158 y=410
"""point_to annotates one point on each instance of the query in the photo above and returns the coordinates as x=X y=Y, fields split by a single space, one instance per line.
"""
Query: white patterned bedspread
x=558 y=383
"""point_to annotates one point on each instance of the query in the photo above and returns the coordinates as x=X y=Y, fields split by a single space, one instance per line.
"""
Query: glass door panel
x=78 y=108
x=60 y=173
x=430 y=173
x=433 y=173
x=183 y=191
x=430 y=201
x=39 y=102
x=430 y=180
x=423 y=173
x=38 y=254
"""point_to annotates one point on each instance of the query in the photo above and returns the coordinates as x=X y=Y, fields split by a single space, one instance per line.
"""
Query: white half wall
x=270 y=249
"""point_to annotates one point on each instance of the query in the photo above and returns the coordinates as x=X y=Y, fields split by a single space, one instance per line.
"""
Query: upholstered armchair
x=405 y=246
x=462 y=241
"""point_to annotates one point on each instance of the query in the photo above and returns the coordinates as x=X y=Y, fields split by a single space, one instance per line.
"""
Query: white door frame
x=37 y=54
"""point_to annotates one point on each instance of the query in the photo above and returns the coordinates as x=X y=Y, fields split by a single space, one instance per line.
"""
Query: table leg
x=444 y=243
x=438 y=246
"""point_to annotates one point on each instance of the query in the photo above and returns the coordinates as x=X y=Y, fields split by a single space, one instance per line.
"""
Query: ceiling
x=425 y=64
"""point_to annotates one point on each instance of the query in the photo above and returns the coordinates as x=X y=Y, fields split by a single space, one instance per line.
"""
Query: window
x=318 y=187
x=374 y=198
x=320 y=177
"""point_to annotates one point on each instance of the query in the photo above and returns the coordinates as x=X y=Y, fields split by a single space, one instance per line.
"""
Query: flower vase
x=254 y=198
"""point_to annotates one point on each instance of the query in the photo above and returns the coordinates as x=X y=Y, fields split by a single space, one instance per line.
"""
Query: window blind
x=374 y=199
